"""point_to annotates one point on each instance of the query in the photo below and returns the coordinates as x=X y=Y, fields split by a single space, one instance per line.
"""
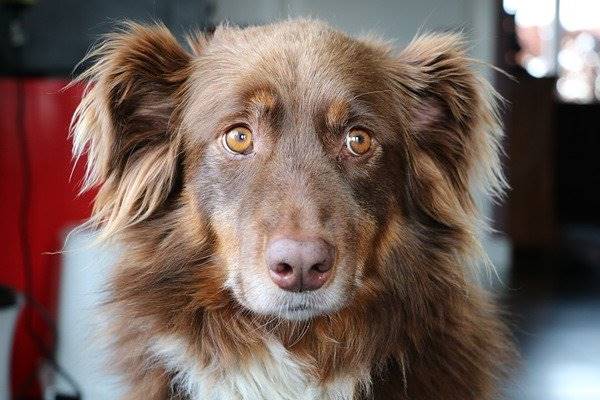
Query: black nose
x=299 y=265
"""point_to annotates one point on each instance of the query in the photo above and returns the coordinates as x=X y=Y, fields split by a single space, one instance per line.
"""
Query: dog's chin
x=303 y=312
x=292 y=306
x=297 y=313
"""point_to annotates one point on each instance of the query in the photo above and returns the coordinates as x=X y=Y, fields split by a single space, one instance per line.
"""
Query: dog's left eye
x=358 y=141
x=239 y=140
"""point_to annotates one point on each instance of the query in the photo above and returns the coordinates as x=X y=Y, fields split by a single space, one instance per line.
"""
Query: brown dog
x=297 y=213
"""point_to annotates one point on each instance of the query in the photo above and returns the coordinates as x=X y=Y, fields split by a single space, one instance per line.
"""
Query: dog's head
x=314 y=166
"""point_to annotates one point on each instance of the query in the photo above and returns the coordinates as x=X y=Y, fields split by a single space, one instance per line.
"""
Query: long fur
x=416 y=327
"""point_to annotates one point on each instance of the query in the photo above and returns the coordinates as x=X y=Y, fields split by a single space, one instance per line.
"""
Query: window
x=562 y=39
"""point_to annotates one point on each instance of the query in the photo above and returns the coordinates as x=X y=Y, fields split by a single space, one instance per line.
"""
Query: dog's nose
x=299 y=265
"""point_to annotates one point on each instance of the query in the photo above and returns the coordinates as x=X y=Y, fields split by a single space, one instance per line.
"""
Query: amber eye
x=239 y=140
x=358 y=142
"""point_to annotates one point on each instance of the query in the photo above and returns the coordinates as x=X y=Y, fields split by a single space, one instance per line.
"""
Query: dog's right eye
x=239 y=140
x=358 y=141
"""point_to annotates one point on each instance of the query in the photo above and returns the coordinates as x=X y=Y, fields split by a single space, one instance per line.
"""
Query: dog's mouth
x=301 y=312
x=301 y=307
x=296 y=311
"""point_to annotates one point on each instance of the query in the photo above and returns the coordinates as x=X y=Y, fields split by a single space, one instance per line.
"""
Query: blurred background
x=546 y=247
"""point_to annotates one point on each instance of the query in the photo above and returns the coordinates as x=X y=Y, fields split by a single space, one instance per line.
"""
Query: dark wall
x=57 y=33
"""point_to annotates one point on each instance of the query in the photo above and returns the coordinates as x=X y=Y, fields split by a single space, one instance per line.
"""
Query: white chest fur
x=279 y=376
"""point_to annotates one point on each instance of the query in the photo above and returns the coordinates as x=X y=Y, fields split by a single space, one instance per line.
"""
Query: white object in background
x=8 y=320
x=82 y=351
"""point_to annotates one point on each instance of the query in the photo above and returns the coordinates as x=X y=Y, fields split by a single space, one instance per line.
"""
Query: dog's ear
x=452 y=125
x=127 y=123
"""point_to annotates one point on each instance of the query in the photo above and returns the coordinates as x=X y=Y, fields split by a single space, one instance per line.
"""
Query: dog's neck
x=274 y=373
x=243 y=358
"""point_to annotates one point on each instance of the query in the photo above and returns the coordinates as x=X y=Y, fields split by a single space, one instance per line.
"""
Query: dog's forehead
x=305 y=62
x=314 y=73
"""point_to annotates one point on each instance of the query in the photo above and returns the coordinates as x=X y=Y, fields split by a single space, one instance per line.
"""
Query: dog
x=297 y=215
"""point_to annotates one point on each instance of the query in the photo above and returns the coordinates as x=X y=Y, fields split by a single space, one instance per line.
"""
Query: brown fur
x=413 y=318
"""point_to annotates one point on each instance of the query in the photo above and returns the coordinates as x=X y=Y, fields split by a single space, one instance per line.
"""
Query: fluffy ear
x=453 y=128
x=126 y=123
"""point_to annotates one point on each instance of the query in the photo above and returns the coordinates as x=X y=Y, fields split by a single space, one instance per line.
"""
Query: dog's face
x=308 y=157
x=296 y=164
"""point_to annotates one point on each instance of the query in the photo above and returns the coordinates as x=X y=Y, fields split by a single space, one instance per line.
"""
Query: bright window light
x=510 y=6
x=531 y=12
x=578 y=15
x=566 y=45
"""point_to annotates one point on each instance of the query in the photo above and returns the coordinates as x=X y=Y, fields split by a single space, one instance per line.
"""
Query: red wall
x=54 y=205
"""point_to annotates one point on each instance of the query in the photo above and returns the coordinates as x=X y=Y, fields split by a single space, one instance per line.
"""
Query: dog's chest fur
x=278 y=375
